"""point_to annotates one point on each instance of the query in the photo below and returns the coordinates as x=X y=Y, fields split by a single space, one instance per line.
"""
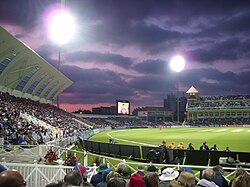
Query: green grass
x=221 y=136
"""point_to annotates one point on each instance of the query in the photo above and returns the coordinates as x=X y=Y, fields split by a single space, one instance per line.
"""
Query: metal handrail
x=41 y=174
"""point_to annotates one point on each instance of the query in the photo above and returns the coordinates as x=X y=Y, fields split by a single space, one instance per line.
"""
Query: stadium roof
x=192 y=90
x=24 y=73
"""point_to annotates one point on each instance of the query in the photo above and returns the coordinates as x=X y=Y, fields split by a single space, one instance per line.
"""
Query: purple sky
x=121 y=49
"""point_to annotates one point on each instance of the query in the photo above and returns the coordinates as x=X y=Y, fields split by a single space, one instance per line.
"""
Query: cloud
x=220 y=50
x=95 y=85
x=100 y=58
x=151 y=67
x=22 y=14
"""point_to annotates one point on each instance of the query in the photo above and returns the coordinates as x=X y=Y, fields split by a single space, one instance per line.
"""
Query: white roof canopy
x=192 y=90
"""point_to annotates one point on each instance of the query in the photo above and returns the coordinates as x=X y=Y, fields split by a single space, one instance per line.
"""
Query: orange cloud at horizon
x=75 y=107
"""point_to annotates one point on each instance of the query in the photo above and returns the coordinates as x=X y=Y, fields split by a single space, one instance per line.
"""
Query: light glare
x=177 y=63
x=62 y=28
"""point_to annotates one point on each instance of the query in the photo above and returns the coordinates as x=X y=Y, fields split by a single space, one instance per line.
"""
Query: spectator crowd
x=16 y=129
x=144 y=176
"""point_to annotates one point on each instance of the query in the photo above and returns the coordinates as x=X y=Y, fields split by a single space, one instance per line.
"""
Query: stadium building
x=104 y=110
x=25 y=74
x=170 y=103
x=221 y=109
x=154 y=114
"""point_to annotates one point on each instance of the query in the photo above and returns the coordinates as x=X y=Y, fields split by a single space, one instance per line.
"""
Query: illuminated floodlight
x=62 y=27
x=177 y=63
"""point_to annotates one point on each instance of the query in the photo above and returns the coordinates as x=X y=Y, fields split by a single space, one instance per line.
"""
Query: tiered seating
x=222 y=102
x=18 y=130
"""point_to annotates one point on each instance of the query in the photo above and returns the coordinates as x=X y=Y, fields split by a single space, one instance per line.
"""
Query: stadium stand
x=117 y=122
x=23 y=73
x=217 y=110
x=51 y=121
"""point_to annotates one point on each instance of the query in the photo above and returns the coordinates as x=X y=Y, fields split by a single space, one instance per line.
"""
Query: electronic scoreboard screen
x=123 y=107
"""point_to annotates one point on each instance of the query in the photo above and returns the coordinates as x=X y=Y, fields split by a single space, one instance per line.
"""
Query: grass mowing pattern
x=236 y=138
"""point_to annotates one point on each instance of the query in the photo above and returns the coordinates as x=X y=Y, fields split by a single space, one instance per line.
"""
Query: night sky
x=122 y=49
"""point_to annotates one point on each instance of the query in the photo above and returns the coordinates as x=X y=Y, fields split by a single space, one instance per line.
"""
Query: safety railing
x=40 y=175
x=29 y=153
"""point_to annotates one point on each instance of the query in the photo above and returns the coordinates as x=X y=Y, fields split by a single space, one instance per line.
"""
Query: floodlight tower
x=61 y=30
x=177 y=64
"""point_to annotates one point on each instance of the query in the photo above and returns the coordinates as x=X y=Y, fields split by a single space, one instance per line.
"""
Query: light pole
x=59 y=69
x=177 y=64
x=61 y=30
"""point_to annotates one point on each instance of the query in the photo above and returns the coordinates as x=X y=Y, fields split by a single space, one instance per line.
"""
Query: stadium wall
x=173 y=156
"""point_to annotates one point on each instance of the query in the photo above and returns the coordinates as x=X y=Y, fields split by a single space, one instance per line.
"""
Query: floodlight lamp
x=62 y=27
x=177 y=63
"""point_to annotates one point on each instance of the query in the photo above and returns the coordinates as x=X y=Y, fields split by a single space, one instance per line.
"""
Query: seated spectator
x=59 y=184
x=30 y=139
x=21 y=140
x=98 y=160
x=180 y=146
x=11 y=178
x=214 y=148
x=120 y=167
x=152 y=168
x=186 y=169
x=151 y=179
x=83 y=171
x=190 y=146
x=73 y=178
x=227 y=149
x=162 y=169
x=172 y=146
x=116 y=182
x=136 y=181
x=71 y=159
x=111 y=140
x=163 y=144
x=86 y=184
x=104 y=178
x=140 y=170
x=185 y=179
x=207 y=178
x=168 y=175
x=113 y=174
x=218 y=178
x=204 y=146
x=95 y=179
x=51 y=156
x=126 y=173
x=241 y=178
